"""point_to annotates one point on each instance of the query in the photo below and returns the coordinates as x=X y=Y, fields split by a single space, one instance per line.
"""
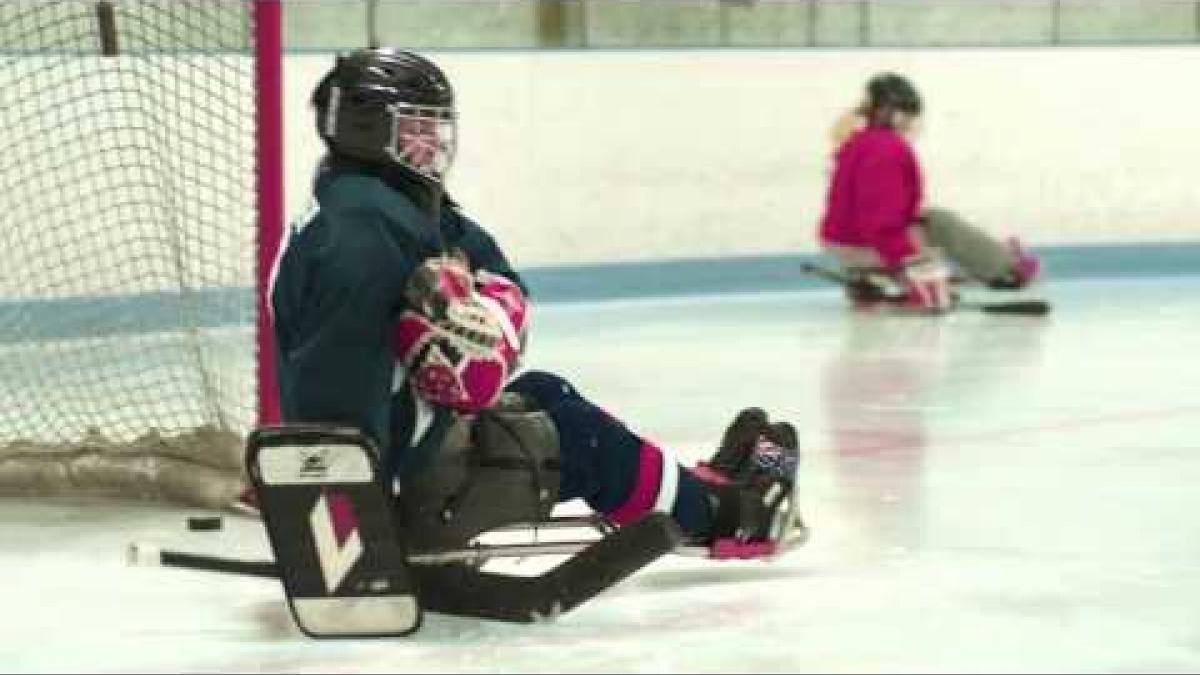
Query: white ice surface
x=985 y=493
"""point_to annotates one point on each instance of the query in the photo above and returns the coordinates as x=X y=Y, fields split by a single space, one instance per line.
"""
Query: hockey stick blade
x=462 y=591
x=1021 y=307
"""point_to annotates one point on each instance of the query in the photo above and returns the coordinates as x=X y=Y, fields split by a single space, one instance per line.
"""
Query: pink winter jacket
x=874 y=195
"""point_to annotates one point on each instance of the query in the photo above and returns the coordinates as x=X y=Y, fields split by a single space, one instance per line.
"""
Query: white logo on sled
x=336 y=558
x=314 y=465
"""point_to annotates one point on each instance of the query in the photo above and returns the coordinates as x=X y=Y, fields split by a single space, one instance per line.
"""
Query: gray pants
x=975 y=252
x=944 y=233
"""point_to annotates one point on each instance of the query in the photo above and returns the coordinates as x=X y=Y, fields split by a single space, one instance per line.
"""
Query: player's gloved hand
x=928 y=281
x=507 y=303
x=462 y=338
x=437 y=284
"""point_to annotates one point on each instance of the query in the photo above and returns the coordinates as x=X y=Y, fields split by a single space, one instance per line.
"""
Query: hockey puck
x=204 y=523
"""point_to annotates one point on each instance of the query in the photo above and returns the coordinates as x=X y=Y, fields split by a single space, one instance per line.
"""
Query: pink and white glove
x=465 y=342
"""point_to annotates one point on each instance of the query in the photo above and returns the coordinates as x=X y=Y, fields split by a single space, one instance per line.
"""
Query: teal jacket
x=337 y=290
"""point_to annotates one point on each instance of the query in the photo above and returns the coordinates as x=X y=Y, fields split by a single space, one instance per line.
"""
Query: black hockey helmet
x=889 y=90
x=391 y=107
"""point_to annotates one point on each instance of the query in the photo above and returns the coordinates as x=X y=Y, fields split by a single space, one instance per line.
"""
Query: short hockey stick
x=148 y=555
x=466 y=590
x=153 y=556
x=145 y=554
x=1020 y=307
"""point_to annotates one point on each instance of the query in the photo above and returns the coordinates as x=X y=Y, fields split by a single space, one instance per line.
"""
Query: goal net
x=138 y=199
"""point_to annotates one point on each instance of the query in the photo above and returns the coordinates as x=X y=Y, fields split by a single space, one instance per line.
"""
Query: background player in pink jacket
x=892 y=247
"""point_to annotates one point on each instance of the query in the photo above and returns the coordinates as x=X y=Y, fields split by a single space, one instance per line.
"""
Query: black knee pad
x=543 y=389
x=498 y=467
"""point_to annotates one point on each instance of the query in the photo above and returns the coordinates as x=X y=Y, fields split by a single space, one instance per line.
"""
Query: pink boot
x=1026 y=265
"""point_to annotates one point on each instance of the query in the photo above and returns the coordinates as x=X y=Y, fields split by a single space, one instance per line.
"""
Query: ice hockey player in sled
x=874 y=224
x=397 y=314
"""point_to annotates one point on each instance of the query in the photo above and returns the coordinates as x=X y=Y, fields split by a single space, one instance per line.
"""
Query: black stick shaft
x=479 y=554
x=824 y=273
x=252 y=568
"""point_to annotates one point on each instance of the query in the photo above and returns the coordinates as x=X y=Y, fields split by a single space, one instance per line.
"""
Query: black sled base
x=346 y=570
x=330 y=523
x=465 y=591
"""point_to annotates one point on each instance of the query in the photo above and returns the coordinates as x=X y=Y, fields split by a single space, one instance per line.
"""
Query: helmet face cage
x=389 y=107
x=420 y=138
x=423 y=138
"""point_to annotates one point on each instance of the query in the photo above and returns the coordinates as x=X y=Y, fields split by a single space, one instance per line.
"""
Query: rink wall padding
x=32 y=321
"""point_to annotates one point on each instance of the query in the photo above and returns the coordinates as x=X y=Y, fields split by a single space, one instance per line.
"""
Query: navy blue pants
x=604 y=463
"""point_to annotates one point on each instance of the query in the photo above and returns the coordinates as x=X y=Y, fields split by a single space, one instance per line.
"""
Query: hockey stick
x=1020 y=307
x=148 y=555
x=145 y=554
x=466 y=590
x=473 y=554
x=458 y=590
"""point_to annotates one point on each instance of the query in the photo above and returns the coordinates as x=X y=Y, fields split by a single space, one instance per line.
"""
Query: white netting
x=127 y=234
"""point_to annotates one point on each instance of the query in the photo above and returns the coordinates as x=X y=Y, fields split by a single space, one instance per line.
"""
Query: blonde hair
x=846 y=125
